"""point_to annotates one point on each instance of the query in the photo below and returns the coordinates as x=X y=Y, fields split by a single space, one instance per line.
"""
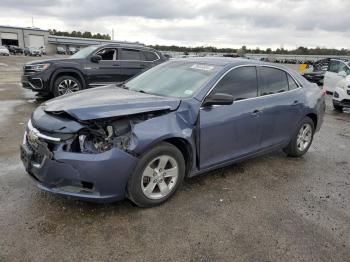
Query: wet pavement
x=271 y=208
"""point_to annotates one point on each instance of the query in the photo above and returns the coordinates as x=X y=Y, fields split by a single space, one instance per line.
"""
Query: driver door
x=107 y=70
x=232 y=131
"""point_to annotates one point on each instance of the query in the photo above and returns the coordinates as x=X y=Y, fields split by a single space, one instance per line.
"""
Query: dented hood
x=108 y=101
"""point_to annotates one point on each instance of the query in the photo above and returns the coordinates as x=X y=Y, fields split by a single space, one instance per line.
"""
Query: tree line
x=244 y=50
x=85 y=34
x=211 y=49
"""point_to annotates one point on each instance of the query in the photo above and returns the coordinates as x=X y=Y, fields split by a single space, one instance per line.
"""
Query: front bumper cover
x=94 y=177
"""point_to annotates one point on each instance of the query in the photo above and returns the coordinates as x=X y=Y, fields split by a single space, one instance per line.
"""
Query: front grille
x=28 y=70
x=37 y=157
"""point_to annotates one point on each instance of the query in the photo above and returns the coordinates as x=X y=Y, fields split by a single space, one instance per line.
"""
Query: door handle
x=256 y=112
x=295 y=102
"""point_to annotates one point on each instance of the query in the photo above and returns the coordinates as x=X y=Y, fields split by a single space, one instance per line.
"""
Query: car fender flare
x=67 y=70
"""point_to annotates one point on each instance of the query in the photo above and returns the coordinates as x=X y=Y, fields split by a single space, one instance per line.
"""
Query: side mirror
x=218 y=99
x=342 y=74
x=96 y=58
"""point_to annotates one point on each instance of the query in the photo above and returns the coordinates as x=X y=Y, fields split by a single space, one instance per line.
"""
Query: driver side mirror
x=96 y=58
x=342 y=74
x=218 y=99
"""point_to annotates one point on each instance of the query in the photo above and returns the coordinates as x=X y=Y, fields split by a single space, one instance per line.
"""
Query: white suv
x=4 y=51
x=332 y=77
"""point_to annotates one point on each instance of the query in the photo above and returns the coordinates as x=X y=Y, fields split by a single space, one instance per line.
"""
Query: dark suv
x=92 y=66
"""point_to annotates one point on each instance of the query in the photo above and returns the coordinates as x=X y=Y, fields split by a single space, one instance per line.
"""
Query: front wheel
x=66 y=85
x=338 y=108
x=302 y=140
x=157 y=176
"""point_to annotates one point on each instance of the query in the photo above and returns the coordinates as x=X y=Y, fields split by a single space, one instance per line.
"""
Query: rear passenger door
x=231 y=131
x=281 y=104
x=130 y=62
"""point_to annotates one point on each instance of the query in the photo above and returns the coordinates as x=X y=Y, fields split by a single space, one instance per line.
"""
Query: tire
x=338 y=108
x=144 y=186
x=298 y=146
x=65 y=85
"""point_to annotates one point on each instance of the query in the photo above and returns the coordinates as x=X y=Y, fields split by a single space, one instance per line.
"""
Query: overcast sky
x=221 y=23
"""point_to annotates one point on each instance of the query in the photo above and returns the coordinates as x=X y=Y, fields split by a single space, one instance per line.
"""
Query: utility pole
x=32 y=22
x=112 y=33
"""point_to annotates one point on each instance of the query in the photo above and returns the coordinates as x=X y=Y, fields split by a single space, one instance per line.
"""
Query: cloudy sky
x=221 y=23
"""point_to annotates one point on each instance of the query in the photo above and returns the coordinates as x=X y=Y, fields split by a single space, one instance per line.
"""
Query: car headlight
x=39 y=67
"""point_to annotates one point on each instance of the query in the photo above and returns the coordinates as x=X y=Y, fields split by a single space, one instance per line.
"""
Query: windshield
x=175 y=78
x=84 y=53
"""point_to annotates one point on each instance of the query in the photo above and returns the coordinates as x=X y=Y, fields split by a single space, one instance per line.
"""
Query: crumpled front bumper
x=94 y=177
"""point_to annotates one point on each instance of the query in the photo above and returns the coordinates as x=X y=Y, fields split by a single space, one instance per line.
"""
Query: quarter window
x=272 y=81
x=149 y=56
x=292 y=84
x=130 y=54
x=241 y=83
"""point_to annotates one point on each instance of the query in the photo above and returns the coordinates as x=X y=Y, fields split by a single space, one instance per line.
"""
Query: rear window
x=272 y=81
x=149 y=56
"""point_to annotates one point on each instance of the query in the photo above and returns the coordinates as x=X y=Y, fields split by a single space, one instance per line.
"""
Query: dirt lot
x=271 y=208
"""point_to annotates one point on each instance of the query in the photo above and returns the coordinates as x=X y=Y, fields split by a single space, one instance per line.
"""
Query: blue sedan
x=141 y=138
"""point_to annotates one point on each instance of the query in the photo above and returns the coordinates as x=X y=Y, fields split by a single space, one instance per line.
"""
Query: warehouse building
x=23 y=37
x=38 y=38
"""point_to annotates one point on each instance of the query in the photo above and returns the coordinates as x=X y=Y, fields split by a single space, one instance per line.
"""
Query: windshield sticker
x=202 y=67
x=188 y=92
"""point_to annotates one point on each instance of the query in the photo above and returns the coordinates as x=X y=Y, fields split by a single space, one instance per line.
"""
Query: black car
x=15 y=49
x=92 y=66
x=318 y=72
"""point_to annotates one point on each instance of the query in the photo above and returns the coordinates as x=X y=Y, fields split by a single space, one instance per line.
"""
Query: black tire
x=58 y=81
x=292 y=149
x=338 y=108
x=134 y=189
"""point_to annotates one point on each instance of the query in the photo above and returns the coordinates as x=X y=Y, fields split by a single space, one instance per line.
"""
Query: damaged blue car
x=184 y=117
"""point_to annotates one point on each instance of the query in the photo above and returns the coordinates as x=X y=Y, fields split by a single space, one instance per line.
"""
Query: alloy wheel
x=304 y=137
x=159 y=177
x=67 y=86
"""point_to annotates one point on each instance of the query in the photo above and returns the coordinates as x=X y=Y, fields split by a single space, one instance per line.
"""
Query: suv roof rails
x=125 y=44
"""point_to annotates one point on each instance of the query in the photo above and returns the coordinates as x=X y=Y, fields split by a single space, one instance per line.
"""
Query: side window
x=334 y=66
x=272 y=81
x=130 y=54
x=107 y=54
x=241 y=83
x=292 y=84
x=344 y=68
x=150 y=56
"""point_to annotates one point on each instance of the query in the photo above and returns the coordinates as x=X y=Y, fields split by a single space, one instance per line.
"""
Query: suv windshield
x=176 y=79
x=84 y=53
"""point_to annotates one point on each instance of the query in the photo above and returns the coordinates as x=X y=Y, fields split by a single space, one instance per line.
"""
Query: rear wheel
x=157 y=176
x=66 y=85
x=302 y=140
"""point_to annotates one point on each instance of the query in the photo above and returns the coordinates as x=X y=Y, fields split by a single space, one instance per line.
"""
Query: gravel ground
x=270 y=208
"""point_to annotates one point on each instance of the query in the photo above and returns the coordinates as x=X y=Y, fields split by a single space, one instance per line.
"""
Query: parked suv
x=92 y=66
x=341 y=95
x=31 y=51
x=332 y=77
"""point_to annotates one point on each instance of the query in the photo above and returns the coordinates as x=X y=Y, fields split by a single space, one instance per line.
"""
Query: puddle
x=7 y=109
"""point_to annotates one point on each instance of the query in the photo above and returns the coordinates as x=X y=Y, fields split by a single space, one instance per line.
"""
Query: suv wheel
x=157 y=176
x=302 y=140
x=66 y=85
x=337 y=108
